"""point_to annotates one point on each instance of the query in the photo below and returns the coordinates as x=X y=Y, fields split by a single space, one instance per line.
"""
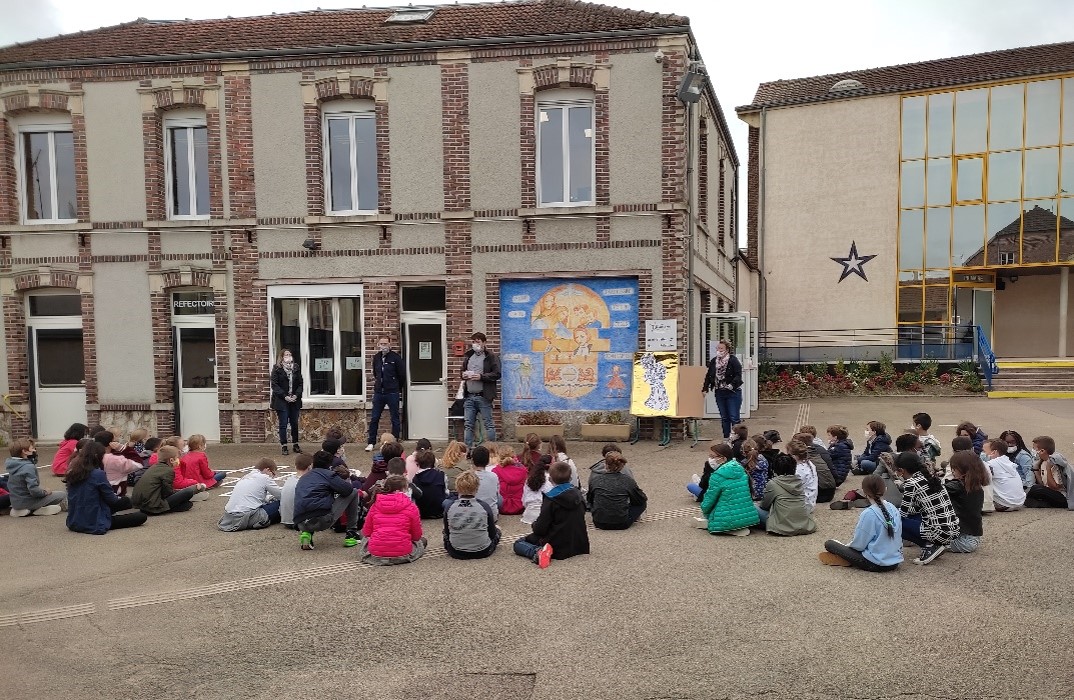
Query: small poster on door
x=322 y=364
x=354 y=363
x=425 y=350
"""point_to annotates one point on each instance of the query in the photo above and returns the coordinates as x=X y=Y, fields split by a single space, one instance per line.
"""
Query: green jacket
x=785 y=502
x=727 y=503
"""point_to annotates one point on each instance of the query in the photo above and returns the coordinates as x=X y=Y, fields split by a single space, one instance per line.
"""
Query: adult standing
x=725 y=377
x=287 y=397
x=389 y=377
x=481 y=371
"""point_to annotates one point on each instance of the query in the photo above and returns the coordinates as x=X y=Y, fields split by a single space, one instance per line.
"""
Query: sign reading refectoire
x=661 y=335
x=322 y=364
x=193 y=303
x=425 y=350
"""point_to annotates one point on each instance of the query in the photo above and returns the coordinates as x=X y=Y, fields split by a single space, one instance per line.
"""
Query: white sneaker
x=696 y=479
x=19 y=512
x=48 y=510
x=369 y=447
x=200 y=496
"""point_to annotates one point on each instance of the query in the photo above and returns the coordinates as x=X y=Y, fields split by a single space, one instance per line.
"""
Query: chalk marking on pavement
x=29 y=618
x=138 y=601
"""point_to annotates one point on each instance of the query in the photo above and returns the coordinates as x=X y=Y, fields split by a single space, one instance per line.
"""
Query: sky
x=742 y=42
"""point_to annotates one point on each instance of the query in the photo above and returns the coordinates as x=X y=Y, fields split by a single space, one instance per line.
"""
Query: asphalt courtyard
x=177 y=609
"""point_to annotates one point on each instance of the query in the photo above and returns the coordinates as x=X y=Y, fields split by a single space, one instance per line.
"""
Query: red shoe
x=544 y=556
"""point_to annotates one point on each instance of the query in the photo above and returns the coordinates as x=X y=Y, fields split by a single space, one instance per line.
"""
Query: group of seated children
x=748 y=483
x=98 y=469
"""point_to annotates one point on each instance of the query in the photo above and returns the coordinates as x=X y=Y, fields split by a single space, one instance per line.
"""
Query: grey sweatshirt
x=469 y=525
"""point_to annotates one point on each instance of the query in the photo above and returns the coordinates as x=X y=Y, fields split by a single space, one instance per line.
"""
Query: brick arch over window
x=564 y=73
x=318 y=92
x=32 y=100
x=157 y=103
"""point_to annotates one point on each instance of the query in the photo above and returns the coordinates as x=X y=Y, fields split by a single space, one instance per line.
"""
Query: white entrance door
x=426 y=361
x=195 y=377
x=740 y=330
x=58 y=375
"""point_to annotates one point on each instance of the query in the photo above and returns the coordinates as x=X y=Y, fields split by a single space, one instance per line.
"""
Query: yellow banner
x=655 y=388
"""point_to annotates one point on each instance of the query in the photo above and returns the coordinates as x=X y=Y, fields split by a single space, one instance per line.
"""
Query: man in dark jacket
x=389 y=378
x=481 y=371
x=321 y=497
x=560 y=530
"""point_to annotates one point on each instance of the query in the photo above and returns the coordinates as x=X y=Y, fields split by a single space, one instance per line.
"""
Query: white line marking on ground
x=137 y=601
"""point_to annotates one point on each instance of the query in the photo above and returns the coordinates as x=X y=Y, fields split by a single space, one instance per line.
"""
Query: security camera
x=658 y=56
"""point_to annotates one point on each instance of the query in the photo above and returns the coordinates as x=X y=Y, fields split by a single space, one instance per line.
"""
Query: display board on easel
x=664 y=388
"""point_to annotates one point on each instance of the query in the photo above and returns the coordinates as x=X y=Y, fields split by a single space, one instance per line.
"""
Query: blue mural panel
x=568 y=344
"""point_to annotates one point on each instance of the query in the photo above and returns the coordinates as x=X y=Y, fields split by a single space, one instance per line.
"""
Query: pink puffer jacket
x=392 y=526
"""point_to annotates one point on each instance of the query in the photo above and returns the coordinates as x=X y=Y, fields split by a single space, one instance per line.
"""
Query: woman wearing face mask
x=725 y=376
x=287 y=397
x=1020 y=455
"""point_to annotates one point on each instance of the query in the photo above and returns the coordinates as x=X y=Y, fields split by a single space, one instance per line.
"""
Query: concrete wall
x=279 y=145
x=123 y=321
x=1026 y=317
x=635 y=145
x=416 y=142
x=115 y=151
x=831 y=178
x=495 y=170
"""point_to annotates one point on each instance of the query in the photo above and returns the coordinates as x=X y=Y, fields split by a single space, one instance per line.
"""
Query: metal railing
x=986 y=359
x=947 y=343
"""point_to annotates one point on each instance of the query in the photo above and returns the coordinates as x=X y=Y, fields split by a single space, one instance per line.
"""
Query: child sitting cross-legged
x=1008 y=493
x=560 y=530
x=1054 y=477
x=928 y=516
x=470 y=530
x=321 y=497
x=877 y=543
x=155 y=492
x=727 y=506
x=26 y=494
x=194 y=466
x=783 y=509
x=255 y=501
x=454 y=463
x=303 y=462
x=430 y=484
x=392 y=531
x=93 y=507
x=966 y=490
x=614 y=498
x=512 y=477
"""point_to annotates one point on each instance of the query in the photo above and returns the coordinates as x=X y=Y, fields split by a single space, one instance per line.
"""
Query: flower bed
x=864 y=379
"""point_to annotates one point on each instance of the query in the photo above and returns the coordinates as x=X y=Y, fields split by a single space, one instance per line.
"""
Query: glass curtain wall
x=986 y=181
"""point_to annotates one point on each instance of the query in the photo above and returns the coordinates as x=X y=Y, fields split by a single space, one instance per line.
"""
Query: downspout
x=690 y=235
x=762 y=290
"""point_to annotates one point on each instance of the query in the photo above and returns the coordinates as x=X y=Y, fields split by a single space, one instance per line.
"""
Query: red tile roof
x=326 y=28
x=961 y=70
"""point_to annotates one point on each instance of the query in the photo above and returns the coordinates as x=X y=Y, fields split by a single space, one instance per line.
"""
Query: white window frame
x=351 y=111
x=22 y=175
x=565 y=104
x=304 y=292
x=169 y=168
x=1007 y=258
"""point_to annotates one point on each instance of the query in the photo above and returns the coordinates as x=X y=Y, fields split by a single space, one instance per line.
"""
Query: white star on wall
x=853 y=263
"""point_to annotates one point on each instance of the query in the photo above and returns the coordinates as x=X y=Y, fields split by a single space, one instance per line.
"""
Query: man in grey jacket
x=481 y=372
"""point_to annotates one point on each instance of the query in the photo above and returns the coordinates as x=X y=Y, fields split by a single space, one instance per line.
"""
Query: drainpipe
x=1064 y=296
x=690 y=235
x=762 y=289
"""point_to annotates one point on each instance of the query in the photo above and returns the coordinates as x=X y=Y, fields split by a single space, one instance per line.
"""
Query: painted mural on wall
x=568 y=345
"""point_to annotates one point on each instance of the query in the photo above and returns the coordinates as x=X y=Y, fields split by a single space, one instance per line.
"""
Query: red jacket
x=63 y=456
x=193 y=469
x=393 y=525
x=512 y=480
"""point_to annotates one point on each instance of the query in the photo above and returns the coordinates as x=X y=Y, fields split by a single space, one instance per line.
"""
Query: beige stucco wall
x=564 y=230
x=279 y=145
x=416 y=144
x=831 y=178
x=495 y=170
x=321 y=267
x=119 y=243
x=178 y=242
x=634 y=98
x=1026 y=318
x=420 y=234
x=496 y=233
x=115 y=151
x=123 y=319
x=639 y=227
x=44 y=244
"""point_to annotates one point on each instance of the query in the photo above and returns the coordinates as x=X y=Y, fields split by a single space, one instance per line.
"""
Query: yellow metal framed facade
x=914 y=283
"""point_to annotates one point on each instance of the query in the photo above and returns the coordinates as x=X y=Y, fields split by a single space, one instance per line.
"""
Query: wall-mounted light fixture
x=692 y=84
x=311 y=245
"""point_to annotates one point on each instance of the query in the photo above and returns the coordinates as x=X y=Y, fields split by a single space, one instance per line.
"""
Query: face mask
x=32 y=457
x=288 y=360
x=1011 y=450
x=384 y=349
x=869 y=434
x=713 y=462
x=478 y=347
x=721 y=353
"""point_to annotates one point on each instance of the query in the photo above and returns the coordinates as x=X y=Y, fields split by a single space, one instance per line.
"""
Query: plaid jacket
x=939 y=523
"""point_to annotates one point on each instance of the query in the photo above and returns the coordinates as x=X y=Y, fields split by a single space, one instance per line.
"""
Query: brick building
x=180 y=200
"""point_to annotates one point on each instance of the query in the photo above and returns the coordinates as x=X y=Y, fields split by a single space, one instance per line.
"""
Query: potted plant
x=544 y=423
x=606 y=427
